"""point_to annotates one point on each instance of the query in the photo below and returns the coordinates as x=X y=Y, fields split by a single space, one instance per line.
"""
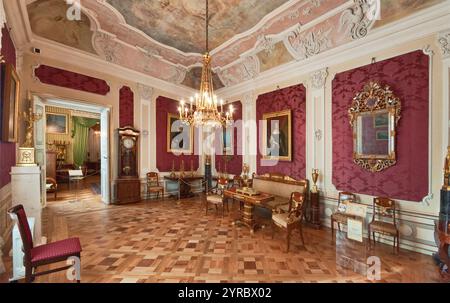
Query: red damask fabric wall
x=164 y=159
x=63 y=78
x=126 y=107
x=293 y=98
x=234 y=166
x=408 y=76
x=7 y=150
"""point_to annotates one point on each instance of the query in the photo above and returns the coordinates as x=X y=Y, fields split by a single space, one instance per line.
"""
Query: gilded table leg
x=247 y=217
x=249 y=221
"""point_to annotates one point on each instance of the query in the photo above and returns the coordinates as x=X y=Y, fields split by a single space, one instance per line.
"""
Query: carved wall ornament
x=306 y=45
x=178 y=75
x=374 y=116
x=359 y=19
x=444 y=43
x=319 y=78
x=318 y=134
x=265 y=43
x=146 y=92
x=107 y=47
x=245 y=70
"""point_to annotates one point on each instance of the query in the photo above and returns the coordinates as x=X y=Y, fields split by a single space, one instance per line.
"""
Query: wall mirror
x=374 y=116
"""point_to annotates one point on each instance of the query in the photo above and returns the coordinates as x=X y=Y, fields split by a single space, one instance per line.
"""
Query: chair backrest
x=237 y=181
x=346 y=196
x=153 y=179
x=384 y=208
x=222 y=184
x=18 y=213
x=296 y=205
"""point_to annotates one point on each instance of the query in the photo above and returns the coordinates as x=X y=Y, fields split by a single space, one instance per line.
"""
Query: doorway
x=72 y=137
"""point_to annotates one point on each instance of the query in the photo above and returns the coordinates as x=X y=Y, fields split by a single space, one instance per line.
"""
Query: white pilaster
x=250 y=130
x=315 y=125
x=443 y=40
x=144 y=119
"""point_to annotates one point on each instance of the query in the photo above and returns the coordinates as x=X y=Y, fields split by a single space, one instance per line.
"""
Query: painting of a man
x=277 y=136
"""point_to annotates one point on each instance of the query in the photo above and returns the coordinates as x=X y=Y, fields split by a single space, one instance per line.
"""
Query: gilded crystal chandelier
x=205 y=109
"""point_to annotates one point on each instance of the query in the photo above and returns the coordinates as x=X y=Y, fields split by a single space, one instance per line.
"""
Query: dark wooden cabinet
x=128 y=190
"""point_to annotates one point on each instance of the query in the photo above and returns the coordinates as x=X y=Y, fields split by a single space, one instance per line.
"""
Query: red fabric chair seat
x=55 y=250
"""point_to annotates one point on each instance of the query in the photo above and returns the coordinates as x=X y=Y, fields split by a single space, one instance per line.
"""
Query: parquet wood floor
x=165 y=241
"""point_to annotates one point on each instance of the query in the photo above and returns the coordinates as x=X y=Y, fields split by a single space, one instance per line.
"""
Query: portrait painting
x=10 y=104
x=277 y=136
x=179 y=135
x=57 y=124
x=227 y=140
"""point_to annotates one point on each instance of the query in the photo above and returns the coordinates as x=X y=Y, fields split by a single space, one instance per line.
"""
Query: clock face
x=128 y=143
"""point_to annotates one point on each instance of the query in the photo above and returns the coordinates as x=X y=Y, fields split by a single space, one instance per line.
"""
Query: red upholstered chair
x=45 y=254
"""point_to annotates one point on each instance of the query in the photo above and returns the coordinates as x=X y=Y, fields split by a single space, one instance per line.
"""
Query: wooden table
x=442 y=235
x=247 y=217
x=184 y=185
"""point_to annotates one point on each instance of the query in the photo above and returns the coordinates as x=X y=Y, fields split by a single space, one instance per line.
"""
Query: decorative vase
x=315 y=177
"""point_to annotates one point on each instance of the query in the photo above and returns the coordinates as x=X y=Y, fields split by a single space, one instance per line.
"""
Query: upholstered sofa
x=281 y=186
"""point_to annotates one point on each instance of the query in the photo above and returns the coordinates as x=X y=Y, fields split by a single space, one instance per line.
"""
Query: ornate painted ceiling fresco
x=48 y=19
x=165 y=38
x=181 y=23
x=193 y=77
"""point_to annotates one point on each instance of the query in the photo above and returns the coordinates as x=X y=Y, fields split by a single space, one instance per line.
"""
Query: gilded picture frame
x=10 y=104
x=228 y=140
x=277 y=140
x=374 y=116
x=177 y=137
x=57 y=124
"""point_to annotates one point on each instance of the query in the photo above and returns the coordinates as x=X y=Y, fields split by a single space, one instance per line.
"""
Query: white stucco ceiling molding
x=245 y=69
x=444 y=43
x=305 y=44
x=360 y=18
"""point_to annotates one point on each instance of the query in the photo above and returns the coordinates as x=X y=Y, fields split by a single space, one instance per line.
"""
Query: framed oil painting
x=277 y=136
x=10 y=105
x=57 y=124
x=227 y=140
x=179 y=136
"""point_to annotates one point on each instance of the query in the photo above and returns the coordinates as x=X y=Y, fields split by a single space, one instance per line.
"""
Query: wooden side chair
x=51 y=186
x=339 y=216
x=45 y=254
x=237 y=182
x=384 y=220
x=291 y=219
x=154 y=185
x=217 y=198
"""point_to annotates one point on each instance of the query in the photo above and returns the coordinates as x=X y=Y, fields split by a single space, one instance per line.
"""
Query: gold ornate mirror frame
x=375 y=101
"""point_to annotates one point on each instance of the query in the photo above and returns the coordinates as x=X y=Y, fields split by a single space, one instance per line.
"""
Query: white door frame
x=104 y=112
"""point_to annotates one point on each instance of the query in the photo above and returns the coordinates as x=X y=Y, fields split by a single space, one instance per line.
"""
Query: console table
x=442 y=235
x=184 y=185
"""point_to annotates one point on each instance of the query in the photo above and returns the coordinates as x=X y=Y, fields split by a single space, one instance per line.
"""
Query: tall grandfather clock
x=128 y=184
